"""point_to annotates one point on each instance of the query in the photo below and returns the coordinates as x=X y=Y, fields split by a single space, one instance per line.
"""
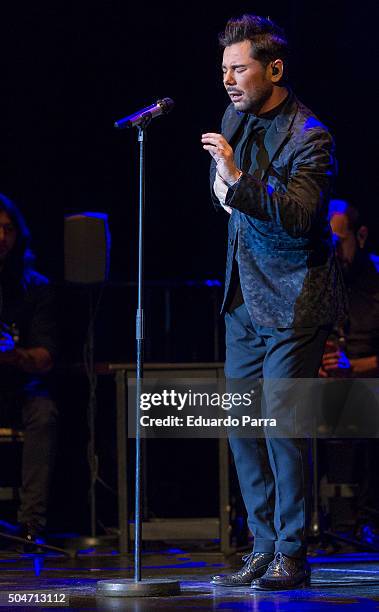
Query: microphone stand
x=140 y=345
x=137 y=587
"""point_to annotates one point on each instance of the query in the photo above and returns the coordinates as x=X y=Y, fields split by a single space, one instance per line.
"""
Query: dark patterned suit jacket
x=279 y=230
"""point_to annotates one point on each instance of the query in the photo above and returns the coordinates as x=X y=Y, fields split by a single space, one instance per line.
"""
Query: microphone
x=161 y=107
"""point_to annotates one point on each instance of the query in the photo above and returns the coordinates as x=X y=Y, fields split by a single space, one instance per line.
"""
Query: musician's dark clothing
x=26 y=400
x=361 y=334
x=362 y=327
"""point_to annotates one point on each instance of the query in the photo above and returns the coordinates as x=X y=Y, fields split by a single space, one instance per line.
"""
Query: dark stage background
x=69 y=69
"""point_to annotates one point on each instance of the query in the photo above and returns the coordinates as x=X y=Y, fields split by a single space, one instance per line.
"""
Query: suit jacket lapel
x=278 y=132
x=233 y=124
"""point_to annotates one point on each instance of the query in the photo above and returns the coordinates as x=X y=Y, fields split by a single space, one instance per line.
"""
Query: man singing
x=272 y=168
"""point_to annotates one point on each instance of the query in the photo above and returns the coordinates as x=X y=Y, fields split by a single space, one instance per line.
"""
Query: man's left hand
x=6 y=343
x=223 y=155
x=7 y=348
x=336 y=362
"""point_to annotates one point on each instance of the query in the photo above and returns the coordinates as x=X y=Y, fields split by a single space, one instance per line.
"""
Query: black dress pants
x=273 y=472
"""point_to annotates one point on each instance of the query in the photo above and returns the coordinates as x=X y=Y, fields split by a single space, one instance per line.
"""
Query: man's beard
x=254 y=104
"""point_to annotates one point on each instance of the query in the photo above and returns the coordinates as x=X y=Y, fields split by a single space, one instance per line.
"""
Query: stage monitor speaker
x=86 y=248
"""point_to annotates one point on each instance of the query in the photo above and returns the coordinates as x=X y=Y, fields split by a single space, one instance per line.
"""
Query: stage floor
x=336 y=580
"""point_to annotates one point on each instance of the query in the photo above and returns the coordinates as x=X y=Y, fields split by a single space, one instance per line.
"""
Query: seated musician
x=27 y=353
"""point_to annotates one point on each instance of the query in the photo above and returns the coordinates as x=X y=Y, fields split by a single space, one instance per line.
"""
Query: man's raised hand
x=223 y=155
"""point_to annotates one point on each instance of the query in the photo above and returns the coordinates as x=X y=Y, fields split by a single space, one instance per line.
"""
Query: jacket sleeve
x=212 y=173
x=212 y=176
x=310 y=178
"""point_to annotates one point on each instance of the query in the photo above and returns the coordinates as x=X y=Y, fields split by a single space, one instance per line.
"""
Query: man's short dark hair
x=341 y=207
x=267 y=39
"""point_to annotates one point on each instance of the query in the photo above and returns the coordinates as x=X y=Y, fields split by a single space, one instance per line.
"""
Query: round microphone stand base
x=142 y=588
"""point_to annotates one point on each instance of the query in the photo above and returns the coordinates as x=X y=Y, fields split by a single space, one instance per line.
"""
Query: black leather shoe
x=255 y=566
x=284 y=573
